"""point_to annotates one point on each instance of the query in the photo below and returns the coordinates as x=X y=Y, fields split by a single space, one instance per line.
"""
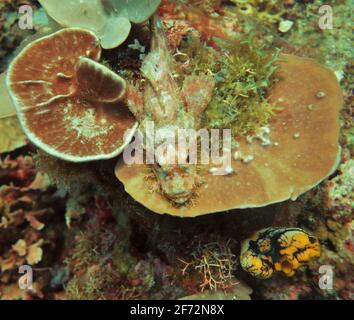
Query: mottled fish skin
x=170 y=108
x=162 y=98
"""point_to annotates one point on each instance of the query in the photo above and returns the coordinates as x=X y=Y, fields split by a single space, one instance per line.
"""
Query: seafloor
x=87 y=239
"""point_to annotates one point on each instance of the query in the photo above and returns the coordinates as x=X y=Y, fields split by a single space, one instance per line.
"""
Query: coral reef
x=10 y=35
x=61 y=101
x=215 y=263
x=339 y=192
x=31 y=225
x=243 y=74
x=86 y=238
x=102 y=17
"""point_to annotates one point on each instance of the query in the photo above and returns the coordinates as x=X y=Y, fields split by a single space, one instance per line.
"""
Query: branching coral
x=215 y=264
x=29 y=215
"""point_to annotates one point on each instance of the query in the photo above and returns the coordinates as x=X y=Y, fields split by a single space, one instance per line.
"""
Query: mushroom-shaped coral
x=110 y=20
x=278 y=250
x=293 y=154
x=67 y=103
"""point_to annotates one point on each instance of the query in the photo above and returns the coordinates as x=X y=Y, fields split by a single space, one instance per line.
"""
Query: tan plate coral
x=67 y=103
x=299 y=149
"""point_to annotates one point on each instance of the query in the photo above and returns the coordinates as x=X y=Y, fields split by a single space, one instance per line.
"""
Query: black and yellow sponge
x=278 y=249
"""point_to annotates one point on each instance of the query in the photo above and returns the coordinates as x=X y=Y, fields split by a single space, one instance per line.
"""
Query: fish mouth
x=180 y=198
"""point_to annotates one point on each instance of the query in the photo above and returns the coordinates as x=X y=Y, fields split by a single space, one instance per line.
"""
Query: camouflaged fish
x=170 y=108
